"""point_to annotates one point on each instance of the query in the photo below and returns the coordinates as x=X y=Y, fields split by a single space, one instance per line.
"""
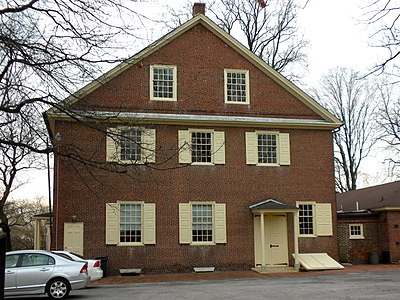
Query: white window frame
x=282 y=148
x=276 y=134
x=356 y=236
x=148 y=225
x=212 y=204
x=247 y=90
x=312 y=203
x=174 y=84
x=321 y=218
x=141 y=224
x=218 y=230
x=217 y=147
x=147 y=144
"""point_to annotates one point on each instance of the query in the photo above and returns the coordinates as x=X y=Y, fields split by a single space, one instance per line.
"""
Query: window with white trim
x=163 y=83
x=130 y=145
x=315 y=219
x=267 y=148
x=237 y=86
x=202 y=223
x=356 y=231
x=201 y=147
x=306 y=218
x=130 y=223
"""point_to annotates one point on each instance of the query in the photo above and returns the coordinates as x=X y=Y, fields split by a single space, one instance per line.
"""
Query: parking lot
x=376 y=284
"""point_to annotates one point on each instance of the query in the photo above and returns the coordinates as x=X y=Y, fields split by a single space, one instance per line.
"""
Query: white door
x=73 y=237
x=275 y=240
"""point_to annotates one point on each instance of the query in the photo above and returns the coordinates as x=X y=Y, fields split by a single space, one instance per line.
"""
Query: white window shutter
x=219 y=147
x=112 y=144
x=185 y=222
x=251 y=148
x=112 y=223
x=220 y=223
x=149 y=223
x=148 y=146
x=185 y=156
x=323 y=212
x=284 y=149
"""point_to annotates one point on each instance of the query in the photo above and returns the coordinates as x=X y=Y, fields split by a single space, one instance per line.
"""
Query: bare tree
x=268 y=28
x=389 y=125
x=383 y=17
x=48 y=50
x=20 y=214
x=14 y=159
x=352 y=98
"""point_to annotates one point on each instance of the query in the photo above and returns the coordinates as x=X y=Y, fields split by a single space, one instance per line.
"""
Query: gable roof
x=376 y=198
x=272 y=205
x=330 y=121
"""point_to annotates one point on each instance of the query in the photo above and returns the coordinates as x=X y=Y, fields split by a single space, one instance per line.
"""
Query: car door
x=34 y=271
x=10 y=284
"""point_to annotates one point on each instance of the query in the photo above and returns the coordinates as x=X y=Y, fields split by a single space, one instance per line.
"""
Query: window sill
x=164 y=99
x=240 y=103
x=202 y=244
x=268 y=165
x=357 y=238
x=130 y=244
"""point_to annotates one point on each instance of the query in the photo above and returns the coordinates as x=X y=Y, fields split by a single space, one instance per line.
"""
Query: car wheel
x=58 y=288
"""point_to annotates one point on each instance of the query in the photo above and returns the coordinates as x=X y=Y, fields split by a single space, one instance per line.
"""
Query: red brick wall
x=201 y=58
x=357 y=251
x=84 y=192
x=393 y=229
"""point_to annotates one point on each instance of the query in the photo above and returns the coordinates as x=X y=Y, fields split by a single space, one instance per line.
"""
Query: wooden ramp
x=318 y=261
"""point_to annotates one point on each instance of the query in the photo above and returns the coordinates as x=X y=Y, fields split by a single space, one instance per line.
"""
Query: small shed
x=369 y=224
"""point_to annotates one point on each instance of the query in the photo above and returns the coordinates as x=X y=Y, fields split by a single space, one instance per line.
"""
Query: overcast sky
x=337 y=39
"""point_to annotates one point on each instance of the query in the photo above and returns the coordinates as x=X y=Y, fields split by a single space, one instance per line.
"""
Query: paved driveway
x=350 y=285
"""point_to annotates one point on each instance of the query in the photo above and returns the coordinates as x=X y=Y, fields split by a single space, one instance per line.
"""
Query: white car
x=30 y=272
x=94 y=267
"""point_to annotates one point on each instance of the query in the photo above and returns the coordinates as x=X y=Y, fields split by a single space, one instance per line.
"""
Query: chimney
x=199 y=8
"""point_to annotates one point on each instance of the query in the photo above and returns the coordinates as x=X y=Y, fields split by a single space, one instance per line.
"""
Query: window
x=356 y=231
x=306 y=219
x=201 y=147
x=202 y=223
x=130 y=145
x=315 y=219
x=237 y=86
x=33 y=259
x=163 y=83
x=130 y=223
x=265 y=148
x=12 y=260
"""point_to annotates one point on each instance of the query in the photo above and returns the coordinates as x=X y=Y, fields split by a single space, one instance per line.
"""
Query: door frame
x=268 y=207
x=268 y=236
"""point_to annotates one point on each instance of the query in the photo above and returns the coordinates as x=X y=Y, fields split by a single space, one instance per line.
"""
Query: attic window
x=237 y=86
x=163 y=83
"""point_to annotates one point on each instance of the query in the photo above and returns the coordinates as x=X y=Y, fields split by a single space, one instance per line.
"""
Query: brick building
x=200 y=155
x=368 y=223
